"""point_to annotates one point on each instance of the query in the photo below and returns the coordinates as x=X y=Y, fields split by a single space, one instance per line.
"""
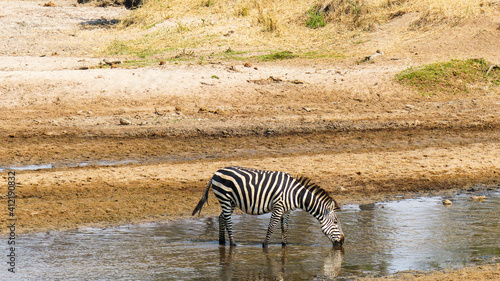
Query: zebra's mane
x=315 y=189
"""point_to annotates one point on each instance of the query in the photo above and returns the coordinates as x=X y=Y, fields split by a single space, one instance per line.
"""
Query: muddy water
x=381 y=238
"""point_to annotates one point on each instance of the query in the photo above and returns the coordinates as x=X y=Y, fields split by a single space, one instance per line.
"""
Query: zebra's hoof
x=265 y=245
x=232 y=244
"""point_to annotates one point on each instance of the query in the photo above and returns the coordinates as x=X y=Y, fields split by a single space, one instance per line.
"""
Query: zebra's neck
x=312 y=203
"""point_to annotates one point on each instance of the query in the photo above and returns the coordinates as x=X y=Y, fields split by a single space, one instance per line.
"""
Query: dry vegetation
x=312 y=28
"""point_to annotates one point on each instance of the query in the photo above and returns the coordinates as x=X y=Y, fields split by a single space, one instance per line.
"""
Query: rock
x=163 y=62
x=247 y=64
x=372 y=57
x=124 y=121
x=478 y=198
x=49 y=4
x=112 y=63
x=447 y=202
x=275 y=79
x=133 y=4
x=232 y=68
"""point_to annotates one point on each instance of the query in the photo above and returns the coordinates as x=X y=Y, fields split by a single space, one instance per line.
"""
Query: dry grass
x=209 y=27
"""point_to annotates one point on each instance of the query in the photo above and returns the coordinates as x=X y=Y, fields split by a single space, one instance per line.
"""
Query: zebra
x=258 y=192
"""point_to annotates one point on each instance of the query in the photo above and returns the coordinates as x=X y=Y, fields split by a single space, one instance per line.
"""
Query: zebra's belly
x=257 y=212
x=254 y=209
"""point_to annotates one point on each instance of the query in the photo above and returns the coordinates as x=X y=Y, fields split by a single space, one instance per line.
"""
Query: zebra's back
x=253 y=191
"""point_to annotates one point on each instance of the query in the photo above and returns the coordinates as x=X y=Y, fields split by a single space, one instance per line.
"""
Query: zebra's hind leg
x=284 y=227
x=229 y=227
x=222 y=229
x=225 y=224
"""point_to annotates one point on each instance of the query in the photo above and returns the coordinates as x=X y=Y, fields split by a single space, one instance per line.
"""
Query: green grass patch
x=141 y=48
x=284 y=55
x=315 y=19
x=230 y=54
x=452 y=77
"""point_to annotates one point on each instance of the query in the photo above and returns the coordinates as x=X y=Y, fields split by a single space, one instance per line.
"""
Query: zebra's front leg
x=284 y=228
x=275 y=218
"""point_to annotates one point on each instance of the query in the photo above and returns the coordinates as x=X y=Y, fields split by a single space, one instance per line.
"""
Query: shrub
x=316 y=19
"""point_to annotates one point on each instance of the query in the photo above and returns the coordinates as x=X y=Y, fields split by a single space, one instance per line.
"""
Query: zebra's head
x=330 y=225
x=318 y=203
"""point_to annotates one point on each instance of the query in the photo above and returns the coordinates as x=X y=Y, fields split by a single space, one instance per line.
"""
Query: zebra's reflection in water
x=278 y=265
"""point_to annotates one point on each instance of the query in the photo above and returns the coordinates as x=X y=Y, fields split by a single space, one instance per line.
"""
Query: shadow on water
x=381 y=239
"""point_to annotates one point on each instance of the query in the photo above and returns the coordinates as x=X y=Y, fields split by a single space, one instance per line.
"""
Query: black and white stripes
x=258 y=192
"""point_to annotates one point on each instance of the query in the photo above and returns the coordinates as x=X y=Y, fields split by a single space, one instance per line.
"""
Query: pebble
x=447 y=202
x=124 y=121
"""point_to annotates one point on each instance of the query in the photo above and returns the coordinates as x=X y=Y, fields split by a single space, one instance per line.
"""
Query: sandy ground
x=350 y=127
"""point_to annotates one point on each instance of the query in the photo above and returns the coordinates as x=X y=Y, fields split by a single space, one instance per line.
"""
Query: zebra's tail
x=204 y=199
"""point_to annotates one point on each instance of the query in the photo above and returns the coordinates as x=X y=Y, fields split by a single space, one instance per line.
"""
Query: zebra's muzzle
x=340 y=242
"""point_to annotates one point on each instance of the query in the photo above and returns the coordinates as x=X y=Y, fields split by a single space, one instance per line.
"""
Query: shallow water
x=28 y=167
x=81 y=164
x=381 y=239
